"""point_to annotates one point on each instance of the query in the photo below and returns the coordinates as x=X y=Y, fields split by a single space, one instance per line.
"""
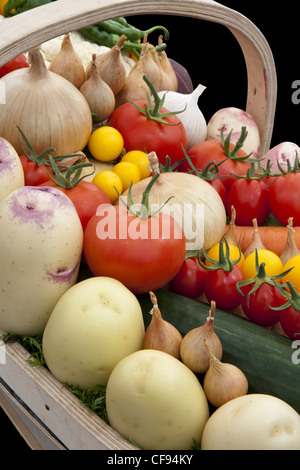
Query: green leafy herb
x=93 y=398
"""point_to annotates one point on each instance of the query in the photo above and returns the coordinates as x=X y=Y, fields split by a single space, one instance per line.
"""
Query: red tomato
x=143 y=254
x=259 y=310
x=18 y=63
x=218 y=185
x=86 y=198
x=34 y=174
x=250 y=200
x=220 y=286
x=213 y=150
x=290 y=322
x=141 y=133
x=284 y=196
x=189 y=281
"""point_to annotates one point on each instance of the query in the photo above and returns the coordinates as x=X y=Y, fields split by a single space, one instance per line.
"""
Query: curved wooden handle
x=30 y=29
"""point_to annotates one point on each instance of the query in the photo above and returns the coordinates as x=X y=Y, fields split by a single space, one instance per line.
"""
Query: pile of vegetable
x=147 y=252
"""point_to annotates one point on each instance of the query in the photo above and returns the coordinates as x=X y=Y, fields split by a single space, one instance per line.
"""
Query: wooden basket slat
x=61 y=411
x=20 y=33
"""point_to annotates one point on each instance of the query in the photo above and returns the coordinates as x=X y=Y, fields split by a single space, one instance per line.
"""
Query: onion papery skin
x=49 y=110
x=187 y=191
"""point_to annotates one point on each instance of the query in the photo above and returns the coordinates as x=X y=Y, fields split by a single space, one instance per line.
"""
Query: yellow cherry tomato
x=109 y=182
x=234 y=254
x=140 y=159
x=106 y=144
x=128 y=173
x=294 y=275
x=272 y=261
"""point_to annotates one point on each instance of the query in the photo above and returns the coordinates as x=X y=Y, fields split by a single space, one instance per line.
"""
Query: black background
x=213 y=58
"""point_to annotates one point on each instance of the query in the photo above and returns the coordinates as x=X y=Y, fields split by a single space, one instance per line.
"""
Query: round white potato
x=156 y=401
x=253 y=422
x=41 y=241
x=11 y=170
x=93 y=326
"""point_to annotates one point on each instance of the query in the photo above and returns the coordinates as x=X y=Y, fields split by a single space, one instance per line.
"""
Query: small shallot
x=167 y=67
x=134 y=87
x=256 y=243
x=160 y=334
x=223 y=382
x=111 y=67
x=67 y=63
x=98 y=94
x=193 y=351
x=291 y=248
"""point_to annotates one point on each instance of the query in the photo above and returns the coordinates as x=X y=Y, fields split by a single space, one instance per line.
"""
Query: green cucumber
x=265 y=357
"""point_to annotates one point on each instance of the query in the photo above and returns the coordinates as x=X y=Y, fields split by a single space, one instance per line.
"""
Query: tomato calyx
x=45 y=158
x=38 y=160
x=260 y=278
x=142 y=211
x=72 y=176
x=224 y=262
x=290 y=169
x=209 y=173
x=153 y=112
x=255 y=174
x=293 y=298
x=233 y=154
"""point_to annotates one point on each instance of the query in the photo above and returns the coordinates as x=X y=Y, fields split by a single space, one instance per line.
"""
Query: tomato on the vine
x=284 y=195
x=132 y=246
x=290 y=313
x=221 y=279
x=147 y=127
x=86 y=196
x=249 y=196
x=34 y=165
x=18 y=62
x=261 y=296
x=189 y=281
x=231 y=159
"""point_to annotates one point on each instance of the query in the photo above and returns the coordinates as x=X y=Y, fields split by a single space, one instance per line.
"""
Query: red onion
x=185 y=84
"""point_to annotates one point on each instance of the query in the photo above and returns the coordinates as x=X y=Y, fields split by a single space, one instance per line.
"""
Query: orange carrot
x=273 y=238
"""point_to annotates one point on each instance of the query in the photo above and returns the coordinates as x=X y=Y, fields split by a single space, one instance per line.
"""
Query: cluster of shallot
x=201 y=351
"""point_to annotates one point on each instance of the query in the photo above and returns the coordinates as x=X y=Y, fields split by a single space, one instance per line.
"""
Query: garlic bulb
x=67 y=63
x=223 y=382
x=193 y=202
x=193 y=351
x=191 y=117
x=98 y=94
x=111 y=67
x=48 y=108
x=160 y=334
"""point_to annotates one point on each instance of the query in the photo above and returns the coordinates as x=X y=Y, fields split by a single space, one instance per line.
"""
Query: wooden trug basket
x=45 y=413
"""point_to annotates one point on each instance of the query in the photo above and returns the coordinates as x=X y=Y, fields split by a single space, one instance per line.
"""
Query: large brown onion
x=48 y=108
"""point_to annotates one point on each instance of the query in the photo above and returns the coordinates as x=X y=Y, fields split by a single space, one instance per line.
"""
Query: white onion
x=194 y=204
x=49 y=109
x=192 y=117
